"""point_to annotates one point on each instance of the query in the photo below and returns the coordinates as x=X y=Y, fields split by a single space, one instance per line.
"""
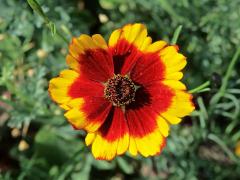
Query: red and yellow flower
x=124 y=93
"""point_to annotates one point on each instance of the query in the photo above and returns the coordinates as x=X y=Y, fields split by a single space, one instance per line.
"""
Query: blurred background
x=36 y=142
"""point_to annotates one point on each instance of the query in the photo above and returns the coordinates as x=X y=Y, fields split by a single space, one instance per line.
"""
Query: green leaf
x=176 y=35
x=125 y=166
x=53 y=147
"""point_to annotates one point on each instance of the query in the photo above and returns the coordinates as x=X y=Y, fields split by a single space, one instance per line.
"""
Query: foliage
x=37 y=143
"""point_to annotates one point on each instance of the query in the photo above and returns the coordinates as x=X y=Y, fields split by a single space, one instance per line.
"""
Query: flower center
x=120 y=90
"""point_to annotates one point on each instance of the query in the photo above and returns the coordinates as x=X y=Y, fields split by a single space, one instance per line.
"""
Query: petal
x=125 y=46
x=124 y=57
x=81 y=87
x=102 y=149
x=156 y=46
x=90 y=138
x=151 y=144
x=174 y=84
x=73 y=63
x=145 y=136
x=100 y=41
x=146 y=42
x=158 y=63
x=114 y=37
x=133 y=33
x=70 y=85
x=82 y=98
x=168 y=99
x=163 y=126
x=174 y=76
x=172 y=119
x=90 y=56
x=88 y=113
x=146 y=127
x=180 y=106
x=58 y=87
x=148 y=69
x=112 y=138
x=157 y=95
x=173 y=60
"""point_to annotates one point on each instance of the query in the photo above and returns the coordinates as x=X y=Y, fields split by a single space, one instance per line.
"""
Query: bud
x=15 y=132
x=41 y=53
x=30 y=72
x=103 y=18
x=2 y=37
x=23 y=145
x=64 y=51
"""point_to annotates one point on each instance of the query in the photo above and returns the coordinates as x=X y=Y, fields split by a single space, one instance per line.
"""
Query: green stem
x=37 y=8
x=223 y=88
x=203 y=112
x=176 y=35
x=154 y=165
x=229 y=71
x=61 y=36
x=199 y=88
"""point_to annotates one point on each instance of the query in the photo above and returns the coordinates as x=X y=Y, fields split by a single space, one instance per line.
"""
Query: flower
x=124 y=93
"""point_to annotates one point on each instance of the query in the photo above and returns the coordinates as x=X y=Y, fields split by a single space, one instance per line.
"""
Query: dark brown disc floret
x=120 y=90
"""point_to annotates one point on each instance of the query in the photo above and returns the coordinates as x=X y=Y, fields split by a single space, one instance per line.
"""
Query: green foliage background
x=202 y=147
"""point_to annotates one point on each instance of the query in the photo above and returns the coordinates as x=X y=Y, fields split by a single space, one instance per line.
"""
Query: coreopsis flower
x=125 y=93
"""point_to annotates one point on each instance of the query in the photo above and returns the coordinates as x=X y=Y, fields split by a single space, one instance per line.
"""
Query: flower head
x=124 y=93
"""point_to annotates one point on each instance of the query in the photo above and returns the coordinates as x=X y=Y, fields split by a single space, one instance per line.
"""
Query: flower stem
x=200 y=88
x=176 y=35
x=37 y=8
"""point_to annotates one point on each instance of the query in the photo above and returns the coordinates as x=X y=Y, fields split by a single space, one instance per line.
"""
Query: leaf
x=124 y=165
x=53 y=148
